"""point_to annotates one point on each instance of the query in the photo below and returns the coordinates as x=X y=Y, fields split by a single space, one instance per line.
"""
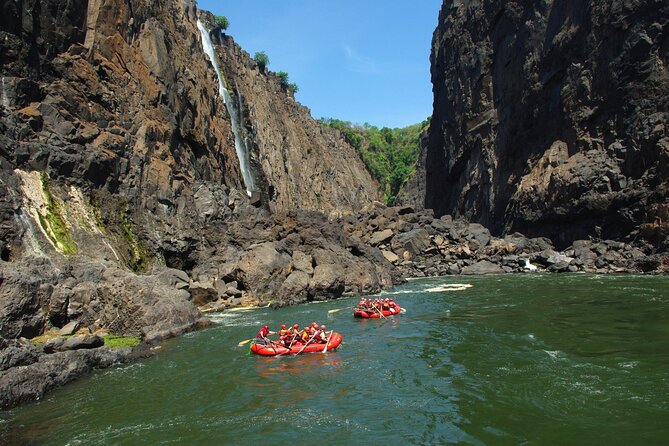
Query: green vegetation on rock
x=285 y=83
x=141 y=255
x=97 y=212
x=54 y=222
x=113 y=341
x=262 y=59
x=389 y=154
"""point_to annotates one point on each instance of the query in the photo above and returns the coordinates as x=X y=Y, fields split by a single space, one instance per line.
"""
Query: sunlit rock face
x=121 y=186
x=551 y=118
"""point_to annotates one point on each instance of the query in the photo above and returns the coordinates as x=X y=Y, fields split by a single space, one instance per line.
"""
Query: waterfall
x=233 y=111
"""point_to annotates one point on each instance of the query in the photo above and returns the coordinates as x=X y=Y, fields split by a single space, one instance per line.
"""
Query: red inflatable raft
x=274 y=350
x=374 y=313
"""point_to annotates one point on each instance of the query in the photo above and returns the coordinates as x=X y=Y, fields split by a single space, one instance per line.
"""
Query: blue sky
x=356 y=60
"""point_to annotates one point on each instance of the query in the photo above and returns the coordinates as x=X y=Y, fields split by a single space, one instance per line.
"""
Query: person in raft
x=261 y=337
x=321 y=336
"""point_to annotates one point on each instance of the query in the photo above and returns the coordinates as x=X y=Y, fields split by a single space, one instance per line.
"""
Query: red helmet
x=322 y=327
x=266 y=326
x=314 y=324
x=296 y=326
x=283 y=325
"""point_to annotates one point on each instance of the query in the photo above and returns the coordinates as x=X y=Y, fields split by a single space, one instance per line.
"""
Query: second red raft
x=274 y=350
x=375 y=313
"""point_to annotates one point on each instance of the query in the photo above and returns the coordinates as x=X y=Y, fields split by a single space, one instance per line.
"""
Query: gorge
x=149 y=176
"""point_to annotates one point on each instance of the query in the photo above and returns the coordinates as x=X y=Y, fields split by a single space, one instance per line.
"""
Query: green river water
x=514 y=359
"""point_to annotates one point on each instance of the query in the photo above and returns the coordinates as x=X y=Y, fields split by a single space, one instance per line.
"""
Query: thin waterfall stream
x=233 y=111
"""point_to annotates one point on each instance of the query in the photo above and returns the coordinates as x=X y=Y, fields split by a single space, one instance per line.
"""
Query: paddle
x=328 y=341
x=380 y=312
x=289 y=347
x=338 y=309
x=245 y=342
x=305 y=345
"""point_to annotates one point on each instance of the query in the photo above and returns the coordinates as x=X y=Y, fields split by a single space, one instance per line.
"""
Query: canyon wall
x=551 y=118
x=123 y=205
x=118 y=100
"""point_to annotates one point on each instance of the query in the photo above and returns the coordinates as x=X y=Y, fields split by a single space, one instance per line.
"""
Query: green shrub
x=283 y=78
x=261 y=59
x=222 y=21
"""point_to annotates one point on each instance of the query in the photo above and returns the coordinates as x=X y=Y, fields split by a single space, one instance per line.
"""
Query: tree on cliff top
x=261 y=59
x=222 y=21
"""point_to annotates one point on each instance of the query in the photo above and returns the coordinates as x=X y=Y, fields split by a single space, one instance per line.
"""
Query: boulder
x=31 y=382
x=477 y=235
x=560 y=266
x=648 y=264
x=583 y=252
x=58 y=303
x=328 y=280
x=414 y=242
x=482 y=267
x=550 y=257
x=390 y=256
x=173 y=277
x=303 y=262
x=201 y=294
x=16 y=354
x=69 y=329
x=295 y=288
x=82 y=342
x=501 y=247
x=53 y=345
x=260 y=266
x=380 y=237
x=518 y=240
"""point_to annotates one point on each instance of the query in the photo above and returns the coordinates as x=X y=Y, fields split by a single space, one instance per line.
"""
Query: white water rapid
x=240 y=145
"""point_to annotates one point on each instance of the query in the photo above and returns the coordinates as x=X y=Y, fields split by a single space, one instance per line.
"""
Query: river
x=508 y=360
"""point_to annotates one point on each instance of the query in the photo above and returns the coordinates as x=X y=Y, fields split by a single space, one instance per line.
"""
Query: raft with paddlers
x=377 y=308
x=275 y=349
x=374 y=313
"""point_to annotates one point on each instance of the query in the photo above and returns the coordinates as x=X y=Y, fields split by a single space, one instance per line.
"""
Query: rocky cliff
x=551 y=118
x=123 y=203
x=118 y=100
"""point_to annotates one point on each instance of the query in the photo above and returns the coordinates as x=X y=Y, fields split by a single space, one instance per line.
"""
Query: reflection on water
x=536 y=359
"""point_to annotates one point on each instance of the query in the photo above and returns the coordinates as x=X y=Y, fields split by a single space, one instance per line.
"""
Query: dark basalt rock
x=550 y=118
x=31 y=382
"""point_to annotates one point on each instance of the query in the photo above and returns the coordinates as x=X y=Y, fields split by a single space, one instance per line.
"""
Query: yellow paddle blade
x=244 y=342
x=337 y=309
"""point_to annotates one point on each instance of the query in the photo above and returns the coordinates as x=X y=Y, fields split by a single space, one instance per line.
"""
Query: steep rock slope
x=122 y=201
x=300 y=163
x=118 y=99
x=550 y=118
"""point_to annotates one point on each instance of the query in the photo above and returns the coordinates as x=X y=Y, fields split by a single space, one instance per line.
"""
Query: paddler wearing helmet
x=263 y=333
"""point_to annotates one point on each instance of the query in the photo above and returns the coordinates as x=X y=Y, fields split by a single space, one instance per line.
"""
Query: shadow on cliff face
x=512 y=82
